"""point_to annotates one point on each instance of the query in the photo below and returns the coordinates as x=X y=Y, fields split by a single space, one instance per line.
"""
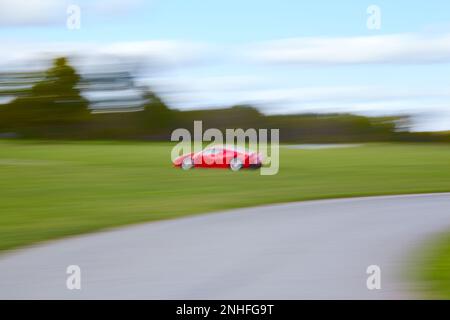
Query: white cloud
x=167 y=52
x=345 y=94
x=394 y=49
x=32 y=12
x=51 y=12
x=157 y=54
x=207 y=91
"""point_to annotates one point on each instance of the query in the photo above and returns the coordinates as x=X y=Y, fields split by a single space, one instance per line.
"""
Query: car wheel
x=235 y=164
x=187 y=163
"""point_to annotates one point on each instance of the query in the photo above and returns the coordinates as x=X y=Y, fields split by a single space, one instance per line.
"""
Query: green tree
x=158 y=117
x=54 y=100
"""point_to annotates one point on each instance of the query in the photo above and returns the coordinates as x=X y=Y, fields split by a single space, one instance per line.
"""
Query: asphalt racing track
x=313 y=249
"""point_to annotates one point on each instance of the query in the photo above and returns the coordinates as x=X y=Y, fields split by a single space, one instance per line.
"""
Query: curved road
x=314 y=249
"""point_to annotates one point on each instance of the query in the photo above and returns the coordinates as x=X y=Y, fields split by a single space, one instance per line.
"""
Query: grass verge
x=434 y=269
x=55 y=189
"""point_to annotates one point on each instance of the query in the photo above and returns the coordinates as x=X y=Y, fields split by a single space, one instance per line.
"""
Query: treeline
x=50 y=105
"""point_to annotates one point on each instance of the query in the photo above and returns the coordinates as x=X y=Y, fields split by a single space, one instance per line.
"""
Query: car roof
x=229 y=147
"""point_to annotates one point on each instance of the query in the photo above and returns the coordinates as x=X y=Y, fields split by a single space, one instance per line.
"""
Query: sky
x=287 y=56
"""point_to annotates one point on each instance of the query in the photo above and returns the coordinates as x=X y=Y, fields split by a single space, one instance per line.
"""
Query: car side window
x=208 y=152
x=213 y=151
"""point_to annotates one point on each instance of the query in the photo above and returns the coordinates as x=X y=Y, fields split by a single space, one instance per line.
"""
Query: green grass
x=54 y=189
x=434 y=269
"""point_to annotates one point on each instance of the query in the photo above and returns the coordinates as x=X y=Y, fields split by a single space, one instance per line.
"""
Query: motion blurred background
x=319 y=72
x=87 y=106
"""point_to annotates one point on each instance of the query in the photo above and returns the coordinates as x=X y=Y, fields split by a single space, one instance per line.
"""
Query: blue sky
x=283 y=56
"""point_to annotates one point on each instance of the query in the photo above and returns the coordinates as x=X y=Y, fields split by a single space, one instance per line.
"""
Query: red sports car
x=219 y=157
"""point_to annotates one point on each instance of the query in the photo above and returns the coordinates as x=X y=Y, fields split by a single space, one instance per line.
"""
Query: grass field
x=54 y=189
x=435 y=268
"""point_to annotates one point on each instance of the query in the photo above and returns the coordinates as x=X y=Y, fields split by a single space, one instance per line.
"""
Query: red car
x=219 y=157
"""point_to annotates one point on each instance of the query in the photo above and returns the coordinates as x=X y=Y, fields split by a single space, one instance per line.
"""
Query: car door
x=216 y=158
x=220 y=157
x=207 y=158
x=228 y=156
